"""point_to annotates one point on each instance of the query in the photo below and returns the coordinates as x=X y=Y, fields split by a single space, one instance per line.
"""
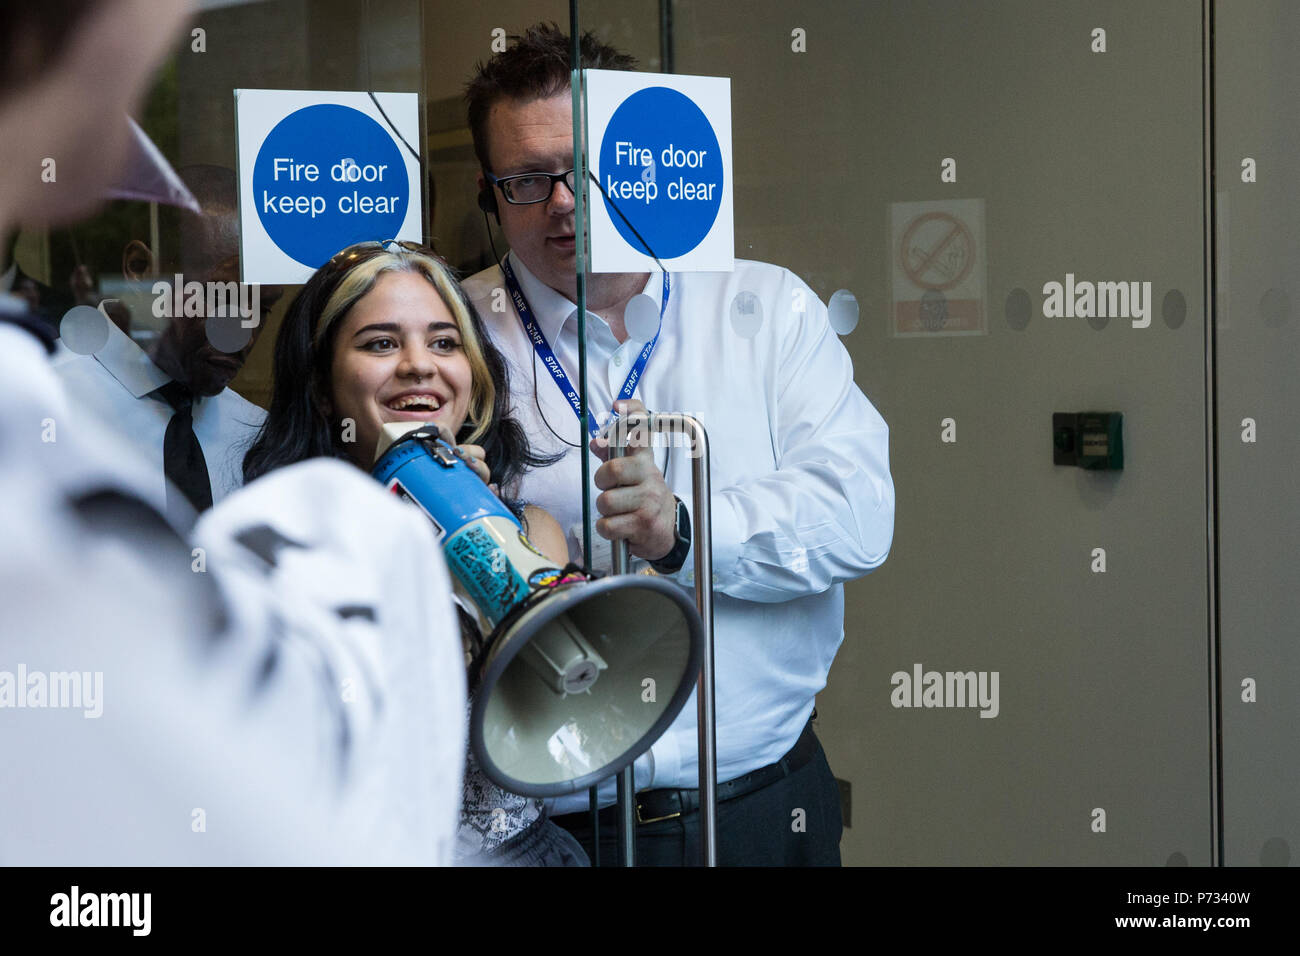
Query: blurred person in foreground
x=286 y=687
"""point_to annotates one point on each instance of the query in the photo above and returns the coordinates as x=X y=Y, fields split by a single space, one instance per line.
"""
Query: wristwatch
x=672 y=562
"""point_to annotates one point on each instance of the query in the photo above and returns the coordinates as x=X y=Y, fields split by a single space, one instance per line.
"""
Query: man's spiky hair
x=537 y=65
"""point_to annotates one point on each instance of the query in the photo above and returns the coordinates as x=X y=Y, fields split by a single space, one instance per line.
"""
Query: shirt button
x=618 y=359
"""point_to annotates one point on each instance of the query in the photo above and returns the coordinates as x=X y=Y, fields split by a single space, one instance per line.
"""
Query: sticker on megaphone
x=483 y=542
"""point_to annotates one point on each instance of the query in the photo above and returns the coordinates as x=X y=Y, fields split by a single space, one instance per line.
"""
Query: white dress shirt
x=112 y=388
x=358 y=600
x=802 y=495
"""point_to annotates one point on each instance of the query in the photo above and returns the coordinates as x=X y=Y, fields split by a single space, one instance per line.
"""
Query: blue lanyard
x=545 y=353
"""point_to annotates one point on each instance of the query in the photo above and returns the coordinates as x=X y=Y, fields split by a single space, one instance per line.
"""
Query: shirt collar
x=10 y=276
x=130 y=364
x=553 y=310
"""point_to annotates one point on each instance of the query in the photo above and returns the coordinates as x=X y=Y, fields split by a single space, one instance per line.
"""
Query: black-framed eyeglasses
x=528 y=188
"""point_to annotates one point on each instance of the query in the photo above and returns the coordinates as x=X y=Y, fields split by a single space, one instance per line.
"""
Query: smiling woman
x=399 y=356
x=385 y=334
x=377 y=335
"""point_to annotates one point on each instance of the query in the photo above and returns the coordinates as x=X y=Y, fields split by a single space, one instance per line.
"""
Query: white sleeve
x=826 y=514
x=286 y=689
x=354 y=585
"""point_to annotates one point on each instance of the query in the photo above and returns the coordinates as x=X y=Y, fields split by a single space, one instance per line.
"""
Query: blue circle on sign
x=671 y=194
x=328 y=176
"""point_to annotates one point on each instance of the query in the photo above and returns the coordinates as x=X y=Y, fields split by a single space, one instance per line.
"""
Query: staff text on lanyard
x=548 y=357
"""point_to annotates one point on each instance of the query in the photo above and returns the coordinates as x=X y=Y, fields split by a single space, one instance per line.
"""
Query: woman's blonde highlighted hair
x=361 y=278
x=299 y=424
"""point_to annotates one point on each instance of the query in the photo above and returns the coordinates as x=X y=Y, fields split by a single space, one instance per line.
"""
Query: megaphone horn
x=578 y=675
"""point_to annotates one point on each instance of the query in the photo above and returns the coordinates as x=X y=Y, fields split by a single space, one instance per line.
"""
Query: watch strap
x=672 y=562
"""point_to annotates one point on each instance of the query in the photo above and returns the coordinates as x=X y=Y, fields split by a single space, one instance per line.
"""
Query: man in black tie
x=172 y=402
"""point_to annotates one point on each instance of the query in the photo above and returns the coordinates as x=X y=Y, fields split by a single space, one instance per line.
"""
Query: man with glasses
x=802 y=496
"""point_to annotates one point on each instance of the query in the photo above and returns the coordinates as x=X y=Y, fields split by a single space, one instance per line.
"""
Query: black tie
x=183 y=461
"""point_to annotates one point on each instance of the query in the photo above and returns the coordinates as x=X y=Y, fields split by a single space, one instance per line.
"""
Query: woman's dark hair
x=297 y=426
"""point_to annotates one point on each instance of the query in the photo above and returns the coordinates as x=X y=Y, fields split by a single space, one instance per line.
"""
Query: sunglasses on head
x=360 y=251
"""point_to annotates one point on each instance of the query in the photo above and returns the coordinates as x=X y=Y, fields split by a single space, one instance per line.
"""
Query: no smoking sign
x=937 y=276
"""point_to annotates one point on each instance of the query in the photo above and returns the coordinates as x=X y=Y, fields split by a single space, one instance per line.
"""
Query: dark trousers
x=762 y=828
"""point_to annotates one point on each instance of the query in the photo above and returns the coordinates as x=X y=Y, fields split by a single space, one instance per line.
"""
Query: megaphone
x=577 y=675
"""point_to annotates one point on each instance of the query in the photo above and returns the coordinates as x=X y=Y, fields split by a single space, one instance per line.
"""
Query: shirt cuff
x=727 y=545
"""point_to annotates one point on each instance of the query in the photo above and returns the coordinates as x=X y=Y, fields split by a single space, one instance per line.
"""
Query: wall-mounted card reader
x=1093 y=440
